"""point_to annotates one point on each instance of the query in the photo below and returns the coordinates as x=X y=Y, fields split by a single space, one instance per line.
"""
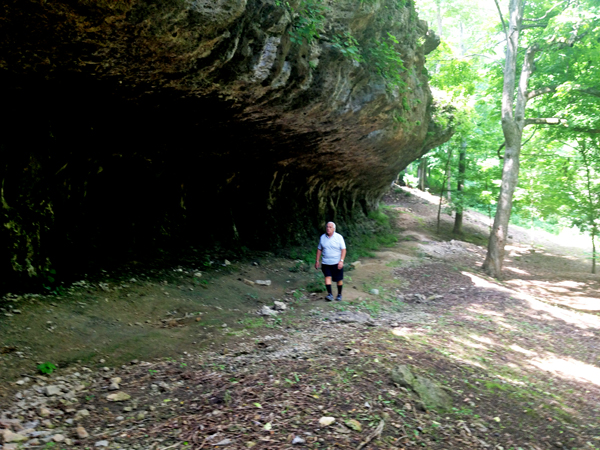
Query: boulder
x=430 y=393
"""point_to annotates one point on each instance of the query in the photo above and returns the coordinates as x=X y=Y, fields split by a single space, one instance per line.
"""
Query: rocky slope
x=135 y=123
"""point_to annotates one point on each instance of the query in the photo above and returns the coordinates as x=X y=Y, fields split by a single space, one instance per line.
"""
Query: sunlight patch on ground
x=578 y=319
x=404 y=331
x=511 y=380
x=469 y=343
x=480 y=282
x=569 y=368
x=482 y=339
x=522 y=350
x=503 y=324
x=519 y=271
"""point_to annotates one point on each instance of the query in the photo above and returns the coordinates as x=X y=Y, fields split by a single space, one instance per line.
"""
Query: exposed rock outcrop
x=134 y=122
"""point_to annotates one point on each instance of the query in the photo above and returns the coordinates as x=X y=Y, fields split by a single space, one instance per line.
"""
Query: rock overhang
x=154 y=118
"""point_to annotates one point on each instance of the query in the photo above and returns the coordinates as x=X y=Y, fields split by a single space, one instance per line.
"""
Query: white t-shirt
x=332 y=248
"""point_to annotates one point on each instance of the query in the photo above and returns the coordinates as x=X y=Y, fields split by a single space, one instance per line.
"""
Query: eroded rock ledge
x=136 y=122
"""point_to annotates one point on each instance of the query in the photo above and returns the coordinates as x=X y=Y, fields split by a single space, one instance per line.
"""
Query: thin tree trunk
x=449 y=176
x=442 y=193
x=460 y=182
x=594 y=250
x=422 y=173
x=512 y=127
x=592 y=214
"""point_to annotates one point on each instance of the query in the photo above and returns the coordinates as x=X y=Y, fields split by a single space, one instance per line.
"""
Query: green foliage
x=348 y=46
x=46 y=368
x=383 y=58
x=309 y=22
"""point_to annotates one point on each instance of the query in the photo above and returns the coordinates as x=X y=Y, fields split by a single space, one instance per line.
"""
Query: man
x=333 y=249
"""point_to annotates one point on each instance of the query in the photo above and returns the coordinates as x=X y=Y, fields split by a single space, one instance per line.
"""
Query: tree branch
x=501 y=19
x=530 y=137
x=536 y=25
x=500 y=148
x=540 y=91
x=545 y=121
x=539 y=19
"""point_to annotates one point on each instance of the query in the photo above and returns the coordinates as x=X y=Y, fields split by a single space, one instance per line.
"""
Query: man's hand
x=317 y=265
x=340 y=265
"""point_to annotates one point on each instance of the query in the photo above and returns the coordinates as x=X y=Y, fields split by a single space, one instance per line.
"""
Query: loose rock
x=118 y=397
x=326 y=421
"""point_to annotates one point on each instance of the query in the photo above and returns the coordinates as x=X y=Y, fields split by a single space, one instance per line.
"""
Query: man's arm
x=318 y=258
x=341 y=263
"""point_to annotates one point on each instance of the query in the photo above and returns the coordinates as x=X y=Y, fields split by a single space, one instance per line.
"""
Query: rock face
x=132 y=123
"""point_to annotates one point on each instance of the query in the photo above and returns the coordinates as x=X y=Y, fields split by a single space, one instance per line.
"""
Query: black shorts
x=333 y=272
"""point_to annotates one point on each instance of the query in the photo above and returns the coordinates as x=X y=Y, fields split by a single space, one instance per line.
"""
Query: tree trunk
x=439 y=214
x=594 y=251
x=592 y=213
x=449 y=175
x=460 y=182
x=512 y=128
x=422 y=173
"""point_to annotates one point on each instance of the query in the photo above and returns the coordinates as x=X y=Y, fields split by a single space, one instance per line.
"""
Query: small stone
x=224 y=325
x=81 y=432
x=198 y=274
x=374 y=291
x=355 y=264
x=326 y=421
x=43 y=412
x=224 y=442
x=141 y=415
x=280 y=306
x=119 y=418
x=266 y=311
x=81 y=413
x=68 y=441
x=9 y=436
x=227 y=263
x=52 y=390
x=263 y=282
x=298 y=440
x=248 y=282
x=118 y=397
x=58 y=438
x=116 y=380
x=10 y=447
x=101 y=444
x=113 y=387
x=106 y=369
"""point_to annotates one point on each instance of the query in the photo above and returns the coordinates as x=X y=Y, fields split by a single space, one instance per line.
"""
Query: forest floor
x=199 y=368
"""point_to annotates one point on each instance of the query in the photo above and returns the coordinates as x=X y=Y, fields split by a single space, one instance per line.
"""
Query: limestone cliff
x=130 y=122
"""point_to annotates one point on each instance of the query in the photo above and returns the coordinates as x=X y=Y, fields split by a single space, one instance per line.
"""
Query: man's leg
x=328 y=287
x=340 y=284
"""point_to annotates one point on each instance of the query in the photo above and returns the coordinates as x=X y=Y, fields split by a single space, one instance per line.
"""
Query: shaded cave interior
x=90 y=176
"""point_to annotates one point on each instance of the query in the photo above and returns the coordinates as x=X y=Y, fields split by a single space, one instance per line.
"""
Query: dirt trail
x=520 y=358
